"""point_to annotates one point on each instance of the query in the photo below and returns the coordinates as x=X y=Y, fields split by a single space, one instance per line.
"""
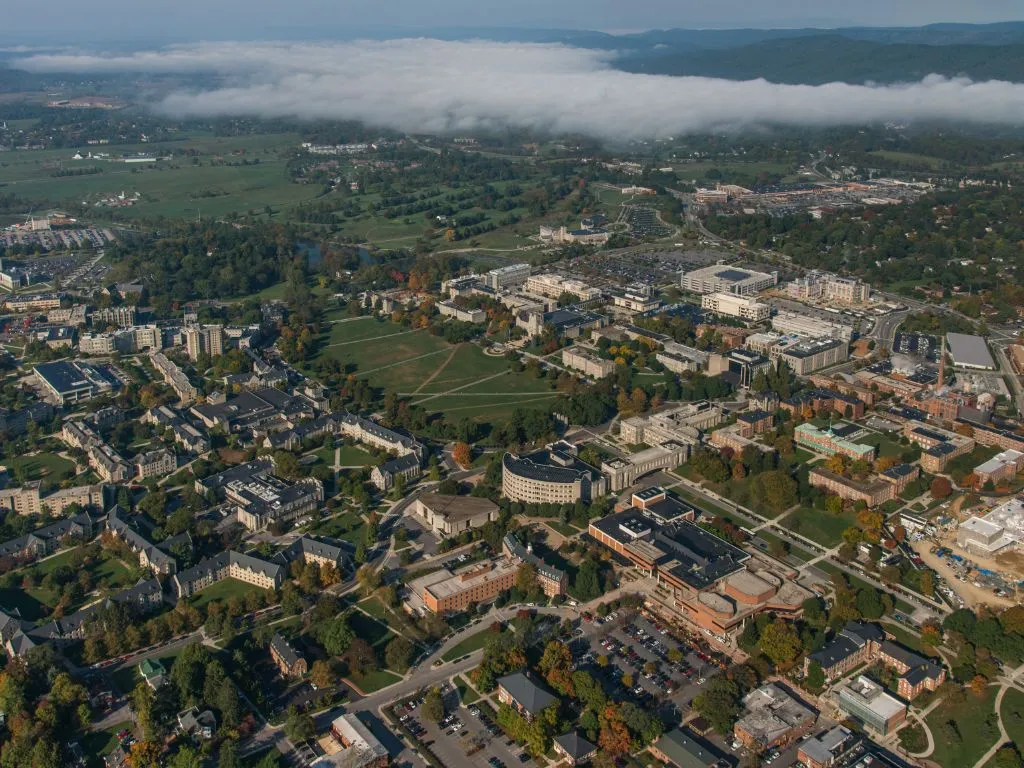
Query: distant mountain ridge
x=835 y=58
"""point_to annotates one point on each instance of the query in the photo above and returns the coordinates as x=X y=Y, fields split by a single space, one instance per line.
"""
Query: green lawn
x=467 y=694
x=349 y=526
x=963 y=731
x=563 y=528
x=374 y=681
x=223 y=590
x=353 y=456
x=109 y=575
x=98 y=744
x=472 y=643
x=40 y=466
x=374 y=608
x=1013 y=715
x=426 y=368
x=819 y=526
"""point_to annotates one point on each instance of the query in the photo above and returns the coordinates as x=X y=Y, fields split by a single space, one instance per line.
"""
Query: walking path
x=457 y=389
x=437 y=372
x=374 y=338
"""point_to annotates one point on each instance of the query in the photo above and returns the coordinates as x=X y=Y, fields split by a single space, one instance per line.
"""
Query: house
x=152 y=556
x=153 y=672
x=196 y=724
x=406 y=467
x=681 y=749
x=523 y=695
x=288 y=660
x=574 y=748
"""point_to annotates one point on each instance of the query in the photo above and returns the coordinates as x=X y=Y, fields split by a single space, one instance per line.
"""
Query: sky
x=29 y=21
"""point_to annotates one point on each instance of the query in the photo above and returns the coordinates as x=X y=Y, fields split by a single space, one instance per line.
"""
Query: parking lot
x=466 y=736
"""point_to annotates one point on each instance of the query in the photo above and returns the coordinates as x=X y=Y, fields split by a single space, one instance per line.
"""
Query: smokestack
x=942 y=365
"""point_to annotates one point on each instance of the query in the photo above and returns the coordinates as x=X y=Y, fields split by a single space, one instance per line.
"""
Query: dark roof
x=527 y=693
x=401 y=464
x=311 y=546
x=930 y=434
x=854 y=636
x=540 y=466
x=900 y=470
x=62 y=376
x=686 y=751
x=732 y=274
x=575 y=746
x=902 y=655
x=703 y=557
x=284 y=649
x=519 y=551
x=752 y=417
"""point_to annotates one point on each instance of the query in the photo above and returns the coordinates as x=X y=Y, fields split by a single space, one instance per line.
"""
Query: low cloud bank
x=434 y=86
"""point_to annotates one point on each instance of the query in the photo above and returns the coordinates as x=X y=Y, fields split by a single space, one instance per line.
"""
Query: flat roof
x=969 y=350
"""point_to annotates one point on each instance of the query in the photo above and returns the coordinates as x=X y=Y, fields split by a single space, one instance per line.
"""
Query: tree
x=780 y=642
x=462 y=454
x=869 y=603
x=229 y=756
x=360 y=657
x=836 y=463
x=614 y=735
x=587 y=585
x=433 y=705
x=815 y=677
x=186 y=757
x=145 y=754
x=299 y=726
x=941 y=488
x=321 y=674
x=1008 y=757
x=834 y=505
x=526 y=578
x=398 y=654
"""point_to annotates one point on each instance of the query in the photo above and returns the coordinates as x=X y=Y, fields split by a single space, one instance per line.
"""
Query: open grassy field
x=349 y=526
x=1013 y=715
x=41 y=466
x=453 y=379
x=822 y=527
x=374 y=681
x=178 y=187
x=223 y=590
x=109 y=575
x=963 y=730
x=472 y=643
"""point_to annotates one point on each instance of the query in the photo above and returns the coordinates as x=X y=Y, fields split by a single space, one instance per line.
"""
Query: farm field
x=173 y=187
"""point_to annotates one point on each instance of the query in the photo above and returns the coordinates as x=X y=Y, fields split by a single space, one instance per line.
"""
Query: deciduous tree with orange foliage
x=462 y=455
x=614 y=735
